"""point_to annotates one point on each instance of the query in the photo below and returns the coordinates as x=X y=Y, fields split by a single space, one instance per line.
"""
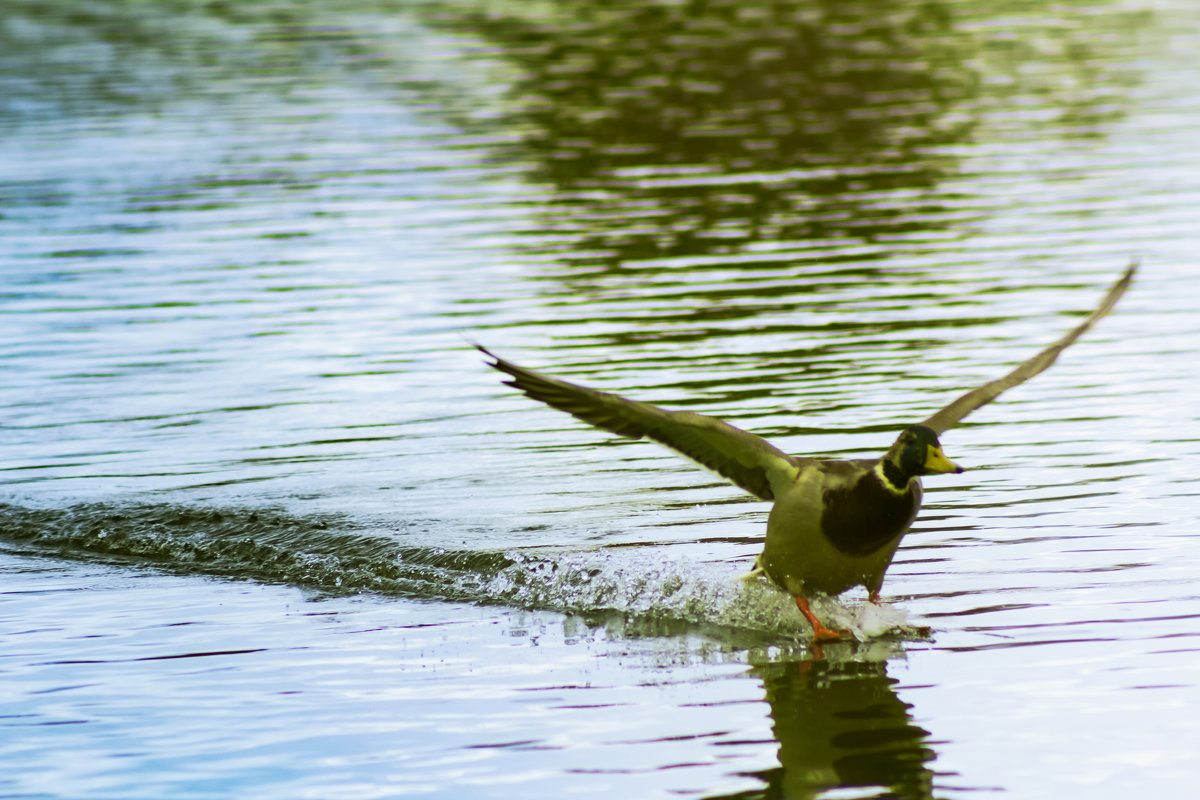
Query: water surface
x=270 y=528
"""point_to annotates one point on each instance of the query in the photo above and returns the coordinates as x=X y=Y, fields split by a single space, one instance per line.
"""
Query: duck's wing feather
x=745 y=459
x=951 y=414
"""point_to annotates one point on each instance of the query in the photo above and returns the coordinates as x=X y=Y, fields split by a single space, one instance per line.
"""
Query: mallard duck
x=833 y=524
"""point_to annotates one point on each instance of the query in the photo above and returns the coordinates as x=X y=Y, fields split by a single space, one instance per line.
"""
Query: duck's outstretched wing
x=749 y=461
x=951 y=414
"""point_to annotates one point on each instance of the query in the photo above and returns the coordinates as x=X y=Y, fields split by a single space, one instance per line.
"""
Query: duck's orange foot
x=821 y=634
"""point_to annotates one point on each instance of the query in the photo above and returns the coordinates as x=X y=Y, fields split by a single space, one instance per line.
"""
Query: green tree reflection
x=699 y=127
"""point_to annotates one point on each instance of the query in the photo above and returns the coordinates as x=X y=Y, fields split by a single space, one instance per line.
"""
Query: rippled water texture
x=269 y=528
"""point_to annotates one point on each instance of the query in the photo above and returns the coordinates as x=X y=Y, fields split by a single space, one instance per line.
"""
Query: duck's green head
x=918 y=452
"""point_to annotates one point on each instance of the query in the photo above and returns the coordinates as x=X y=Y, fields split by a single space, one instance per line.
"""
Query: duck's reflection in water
x=840 y=724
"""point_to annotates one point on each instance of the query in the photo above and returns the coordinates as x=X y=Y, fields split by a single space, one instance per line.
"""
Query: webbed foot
x=821 y=634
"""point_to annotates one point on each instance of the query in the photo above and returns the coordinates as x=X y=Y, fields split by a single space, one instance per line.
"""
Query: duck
x=833 y=524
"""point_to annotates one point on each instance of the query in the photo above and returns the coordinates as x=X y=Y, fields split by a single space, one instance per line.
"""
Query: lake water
x=269 y=527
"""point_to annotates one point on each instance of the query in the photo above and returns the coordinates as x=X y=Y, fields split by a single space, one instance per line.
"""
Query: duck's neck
x=894 y=479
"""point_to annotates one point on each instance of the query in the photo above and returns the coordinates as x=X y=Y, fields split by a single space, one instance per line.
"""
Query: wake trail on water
x=654 y=594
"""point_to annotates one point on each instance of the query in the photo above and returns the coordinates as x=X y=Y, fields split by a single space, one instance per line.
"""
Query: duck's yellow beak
x=936 y=461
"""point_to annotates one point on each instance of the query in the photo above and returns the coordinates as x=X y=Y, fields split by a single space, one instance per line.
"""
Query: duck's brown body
x=836 y=527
